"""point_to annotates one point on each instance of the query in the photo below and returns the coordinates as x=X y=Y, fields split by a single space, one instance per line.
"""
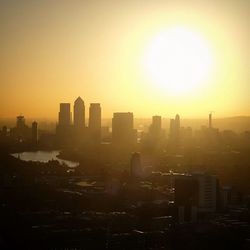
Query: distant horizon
x=234 y=123
x=135 y=117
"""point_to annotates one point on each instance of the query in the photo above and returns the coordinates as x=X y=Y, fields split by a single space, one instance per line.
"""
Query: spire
x=79 y=100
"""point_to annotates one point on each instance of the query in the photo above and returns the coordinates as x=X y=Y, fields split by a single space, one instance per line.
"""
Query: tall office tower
x=20 y=122
x=135 y=165
x=186 y=197
x=95 y=122
x=210 y=121
x=208 y=192
x=155 y=128
x=123 y=132
x=174 y=132
x=171 y=128
x=177 y=123
x=34 y=135
x=79 y=113
x=177 y=129
x=195 y=193
x=64 y=115
x=64 y=130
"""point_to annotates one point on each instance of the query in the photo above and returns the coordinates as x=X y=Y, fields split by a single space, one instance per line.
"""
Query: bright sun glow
x=178 y=61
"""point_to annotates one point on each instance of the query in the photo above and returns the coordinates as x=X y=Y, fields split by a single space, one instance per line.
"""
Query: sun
x=178 y=61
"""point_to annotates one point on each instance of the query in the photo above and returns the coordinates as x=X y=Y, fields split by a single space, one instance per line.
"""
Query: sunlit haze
x=124 y=124
x=146 y=57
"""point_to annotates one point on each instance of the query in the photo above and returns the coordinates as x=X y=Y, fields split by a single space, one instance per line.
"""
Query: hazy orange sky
x=54 y=51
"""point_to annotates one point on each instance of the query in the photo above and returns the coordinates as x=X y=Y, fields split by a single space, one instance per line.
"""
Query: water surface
x=44 y=156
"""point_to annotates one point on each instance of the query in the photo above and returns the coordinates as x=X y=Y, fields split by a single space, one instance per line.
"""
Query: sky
x=53 y=51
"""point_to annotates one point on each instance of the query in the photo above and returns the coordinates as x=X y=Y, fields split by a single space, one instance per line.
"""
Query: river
x=44 y=156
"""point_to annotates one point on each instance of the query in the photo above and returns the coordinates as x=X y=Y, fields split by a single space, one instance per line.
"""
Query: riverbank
x=44 y=156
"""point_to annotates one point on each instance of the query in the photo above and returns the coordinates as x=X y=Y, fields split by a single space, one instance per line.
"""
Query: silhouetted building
x=64 y=115
x=155 y=137
x=208 y=192
x=135 y=165
x=186 y=197
x=210 y=121
x=177 y=122
x=171 y=128
x=174 y=132
x=155 y=128
x=21 y=132
x=196 y=193
x=20 y=122
x=123 y=132
x=186 y=190
x=95 y=122
x=79 y=128
x=64 y=130
x=34 y=135
x=79 y=113
x=210 y=138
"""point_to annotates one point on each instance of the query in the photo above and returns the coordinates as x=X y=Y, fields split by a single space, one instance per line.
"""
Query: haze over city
x=124 y=125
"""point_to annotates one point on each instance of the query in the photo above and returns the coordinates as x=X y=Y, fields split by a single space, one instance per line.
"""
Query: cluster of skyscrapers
x=68 y=132
x=73 y=129
x=123 y=132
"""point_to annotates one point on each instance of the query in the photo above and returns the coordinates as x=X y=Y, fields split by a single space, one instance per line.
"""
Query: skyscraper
x=177 y=123
x=210 y=121
x=174 y=129
x=79 y=113
x=177 y=129
x=20 y=122
x=63 y=130
x=198 y=191
x=208 y=192
x=155 y=128
x=171 y=128
x=123 y=132
x=95 y=122
x=174 y=132
x=64 y=114
x=135 y=165
x=186 y=197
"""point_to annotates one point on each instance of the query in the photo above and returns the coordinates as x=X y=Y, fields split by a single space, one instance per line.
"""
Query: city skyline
x=74 y=114
x=124 y=124
x=79 y=106
x=96 y=49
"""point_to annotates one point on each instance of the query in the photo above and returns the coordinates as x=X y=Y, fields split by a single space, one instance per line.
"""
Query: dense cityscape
x=124 y=125
x=99 y=187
